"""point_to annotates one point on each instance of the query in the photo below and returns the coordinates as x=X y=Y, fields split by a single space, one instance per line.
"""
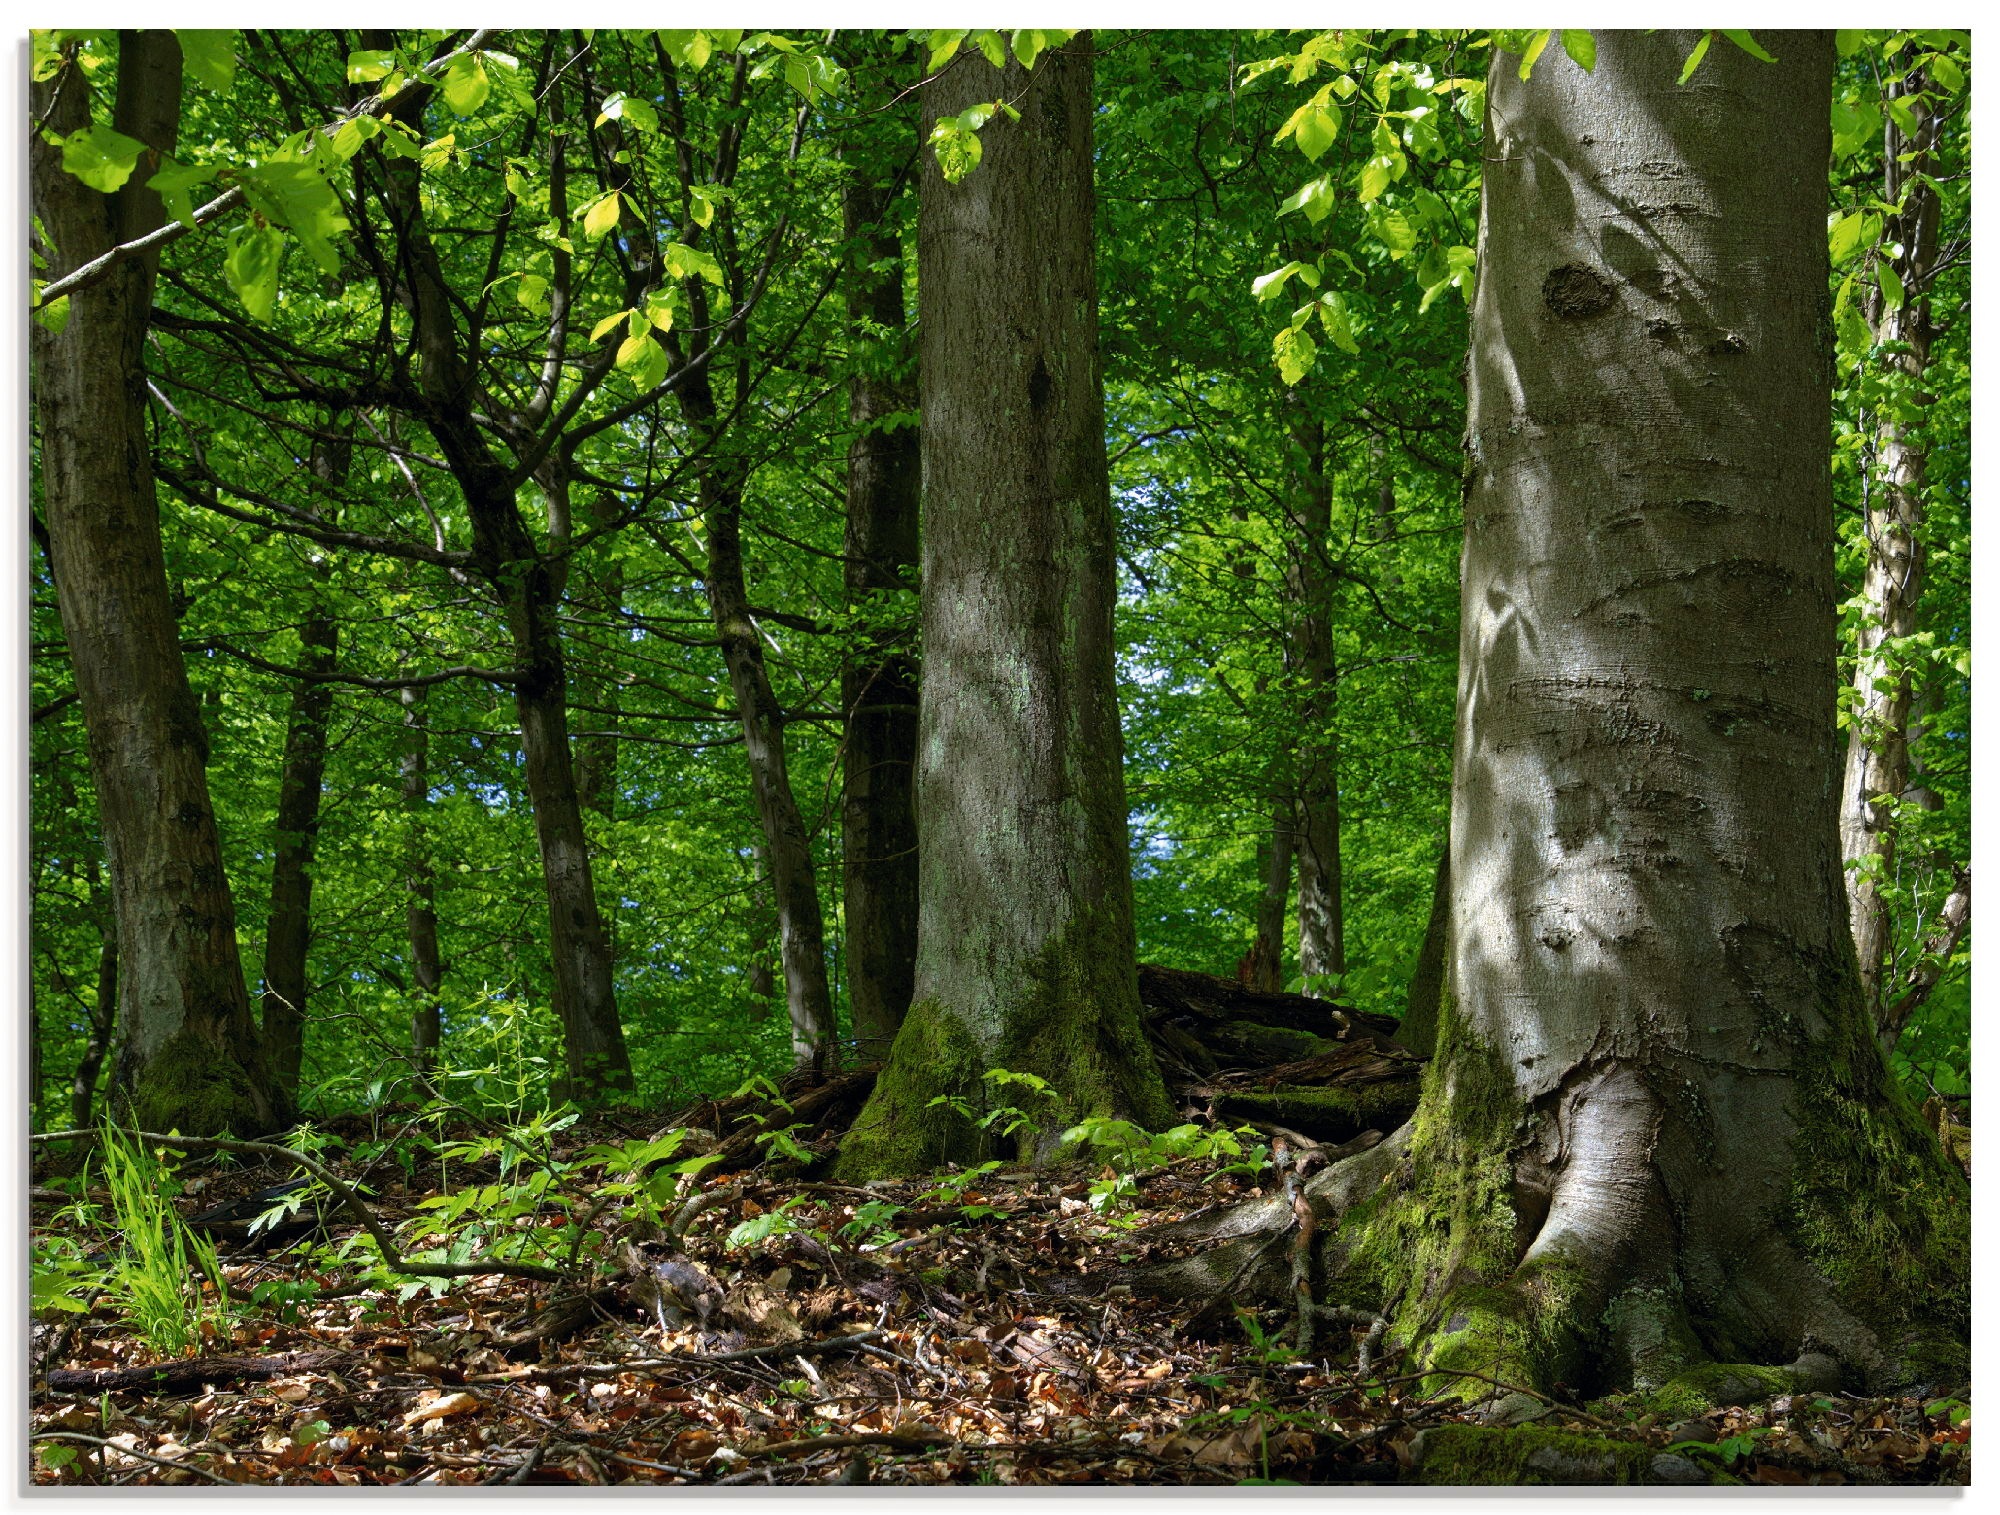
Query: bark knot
x=1576 y=293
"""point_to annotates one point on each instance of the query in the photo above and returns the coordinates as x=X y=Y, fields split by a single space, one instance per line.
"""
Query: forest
x=999 y=757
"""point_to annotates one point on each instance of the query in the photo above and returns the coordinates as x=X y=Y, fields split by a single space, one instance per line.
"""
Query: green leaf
x=1749 y=45
x=210 y=56
x=617 y=316
x=251 y=267
x=466 y=85
x=600 y=215
x=992 y=46
x=1028 y=47
x=54 y=316
x=1396 y=233
x=944 y=47
x=1892 y=285
x=660 y=309
x=957 y=149
x=1267 y=286
x=701 y=205
x=690 y=49
x=1294 y=351
x=102 y=158
x=296 y=195
x=1843 y=237
x=1947 y=73
x=623 y=107
x=533 y=293
x=1532 y=52
x=685 y=262
x=172 y=184
x=1582 y=48
x=1848 y=41
x=370 y=64
x=1314 y=198
x=1694 y=58
x=1334 y=317
x=1317 y=130
x=1375 y=176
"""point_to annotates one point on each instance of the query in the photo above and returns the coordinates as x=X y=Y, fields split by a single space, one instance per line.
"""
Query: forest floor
x=955 y=1331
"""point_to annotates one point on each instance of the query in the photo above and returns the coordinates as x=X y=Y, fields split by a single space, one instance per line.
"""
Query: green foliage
x=165 y=1280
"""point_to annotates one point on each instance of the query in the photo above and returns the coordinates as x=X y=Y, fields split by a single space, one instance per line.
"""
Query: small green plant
x=644 y=1171
x=1131 y=1151
x=1009 y=1119
x=871 y=1223
x=157 y=1278
x=761 y=1228
x=1265 y=1349
x=951 y=1189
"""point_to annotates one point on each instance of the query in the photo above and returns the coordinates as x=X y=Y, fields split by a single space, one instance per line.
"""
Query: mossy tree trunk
x=189 y=1053
x=1025 y=956
x=1658 y=1128
x=878 y=684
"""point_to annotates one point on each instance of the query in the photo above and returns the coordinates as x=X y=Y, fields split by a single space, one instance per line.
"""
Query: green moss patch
x=1332 y=1114
x=1526 y=1455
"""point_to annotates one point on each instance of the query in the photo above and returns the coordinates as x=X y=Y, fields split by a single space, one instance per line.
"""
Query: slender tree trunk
x=103 y=1011
x=1657 y=1128
x=288 y=932
x=1878 y=751
x=529 y=586
x=189 y=1056
x=788 y=846
x=1026 y=957
x=420 y=884
x=878 y=687
x=1418 y=1030
x=1309 y=663
x=597 y=749
x=1274 y=872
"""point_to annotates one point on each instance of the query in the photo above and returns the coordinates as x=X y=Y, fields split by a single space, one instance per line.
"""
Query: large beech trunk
x=1657 y=1128
x=1025 y=957
x=189 y=1055
x=1310 y=667
x=878 y=686
x=1878 y=750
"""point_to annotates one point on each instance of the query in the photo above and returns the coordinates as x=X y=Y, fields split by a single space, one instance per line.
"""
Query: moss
x=1876 y=1206
x=1697 y=1390
x=1481 y=1455
x=1059 y=1024
x=191 y=1086
x=899 y=1131
x=1440 y=1248
x=1332 y=1113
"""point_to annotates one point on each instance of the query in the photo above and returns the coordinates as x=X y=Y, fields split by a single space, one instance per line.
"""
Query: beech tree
x=1026 y=958
x=1657 y=1130
x=189 y=1054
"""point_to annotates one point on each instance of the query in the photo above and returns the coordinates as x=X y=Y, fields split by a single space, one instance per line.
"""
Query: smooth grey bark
x=288 y=930
x=1655 y=1087
x=878 y=685
x=1309 y=666
x=420 y=921
x=1419 y=1025
x=189 y=1054
x=1026 y=957
x=528 y=584
x=1878 y=747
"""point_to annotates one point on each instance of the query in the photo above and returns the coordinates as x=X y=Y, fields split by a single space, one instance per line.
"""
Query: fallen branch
x=859 y=1340
x=192 y=1375
x=165 y=1462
